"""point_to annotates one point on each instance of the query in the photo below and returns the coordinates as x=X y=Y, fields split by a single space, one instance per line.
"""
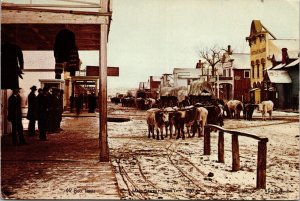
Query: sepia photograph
x=150 y=99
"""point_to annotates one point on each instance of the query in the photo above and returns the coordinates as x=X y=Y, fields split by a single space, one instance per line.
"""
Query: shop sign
x=259 y=51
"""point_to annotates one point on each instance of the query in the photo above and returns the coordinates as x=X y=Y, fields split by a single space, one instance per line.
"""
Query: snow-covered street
x=178 y=169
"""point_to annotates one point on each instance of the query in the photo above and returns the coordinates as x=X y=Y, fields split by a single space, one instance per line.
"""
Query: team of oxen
x=195 y=117
x=178 y=107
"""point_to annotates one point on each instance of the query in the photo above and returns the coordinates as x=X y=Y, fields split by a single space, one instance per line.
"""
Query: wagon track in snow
x=275 y=122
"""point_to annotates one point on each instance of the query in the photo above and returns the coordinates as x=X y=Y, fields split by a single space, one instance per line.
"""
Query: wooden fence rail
x=261 y=154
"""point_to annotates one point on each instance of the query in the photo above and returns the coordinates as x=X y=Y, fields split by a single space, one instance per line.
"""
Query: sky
x=151 y=37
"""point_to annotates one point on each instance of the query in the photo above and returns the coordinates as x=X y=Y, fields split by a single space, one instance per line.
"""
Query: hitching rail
x=261 y=154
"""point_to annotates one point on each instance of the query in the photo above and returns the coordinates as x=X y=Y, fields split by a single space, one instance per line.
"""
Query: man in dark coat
x=72 y=102
x=15 y=117
x=61 y=108
x=32 y=111
x=78 y=103
x=54 y=111
x=43 y=112
x=92 y=102
x=12 y=64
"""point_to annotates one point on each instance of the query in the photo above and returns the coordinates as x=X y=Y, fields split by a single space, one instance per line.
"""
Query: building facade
x=264 y=47
x=241 y=74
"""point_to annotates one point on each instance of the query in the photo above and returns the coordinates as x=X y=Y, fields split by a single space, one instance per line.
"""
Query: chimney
x=285 y=56
x=229 y=51
x=198 y=65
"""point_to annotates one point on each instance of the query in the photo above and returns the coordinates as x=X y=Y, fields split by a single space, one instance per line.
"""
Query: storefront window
x=246 y=74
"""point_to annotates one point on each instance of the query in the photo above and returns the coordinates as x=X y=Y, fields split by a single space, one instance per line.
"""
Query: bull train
x=178 y=109
x=195 y=109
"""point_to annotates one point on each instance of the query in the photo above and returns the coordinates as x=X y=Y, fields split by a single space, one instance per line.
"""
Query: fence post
x=261 y=164
x=206 y=141
x=235 y=153
x=221 y=147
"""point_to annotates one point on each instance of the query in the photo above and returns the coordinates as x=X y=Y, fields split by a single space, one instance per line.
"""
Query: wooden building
x=263 y=45
x=241 y=71
x=281 y=81
x=34 y=27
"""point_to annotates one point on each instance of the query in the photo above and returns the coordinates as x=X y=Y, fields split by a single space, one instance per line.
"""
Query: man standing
x=61 y=108
x=92 y=102
x=43 y=112
x=15 y=117
x=32 y=111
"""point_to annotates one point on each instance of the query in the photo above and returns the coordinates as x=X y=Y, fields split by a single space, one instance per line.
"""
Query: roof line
x=268 y=31
x=56 y=11
x=50 y=5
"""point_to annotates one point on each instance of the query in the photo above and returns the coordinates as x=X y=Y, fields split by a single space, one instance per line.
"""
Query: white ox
x=266 y=107
x=234 y=108
x=201 y=119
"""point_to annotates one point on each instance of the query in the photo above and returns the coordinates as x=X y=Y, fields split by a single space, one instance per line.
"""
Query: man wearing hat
x=15 y=117
x=32 y=111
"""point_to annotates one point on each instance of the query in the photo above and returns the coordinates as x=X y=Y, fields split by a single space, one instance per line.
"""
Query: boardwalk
x=64 y=167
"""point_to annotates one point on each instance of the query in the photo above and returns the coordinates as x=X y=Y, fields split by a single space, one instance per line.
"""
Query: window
x=246 y=74
x=252 y=68
x=257 y=68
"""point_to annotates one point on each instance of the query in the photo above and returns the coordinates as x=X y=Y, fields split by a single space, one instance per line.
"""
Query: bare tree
x=212 y=56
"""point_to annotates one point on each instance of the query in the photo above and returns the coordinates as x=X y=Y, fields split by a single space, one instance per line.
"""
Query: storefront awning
x=254 y=89
x=294 y=63
x=279 y=66
x=279 y=76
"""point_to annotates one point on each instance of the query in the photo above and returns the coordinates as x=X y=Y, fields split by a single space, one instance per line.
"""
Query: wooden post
x=4 y=125
x=261 y=164
x=206 y=141
x=235 y=153
x=221 y=147
x=103 y=143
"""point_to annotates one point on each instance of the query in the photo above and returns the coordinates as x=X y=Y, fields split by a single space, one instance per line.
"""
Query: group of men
x=78 y=102
x=46 y=108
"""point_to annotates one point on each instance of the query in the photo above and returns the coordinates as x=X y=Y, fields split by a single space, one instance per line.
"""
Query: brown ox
x=193 y=118
x=156 y=120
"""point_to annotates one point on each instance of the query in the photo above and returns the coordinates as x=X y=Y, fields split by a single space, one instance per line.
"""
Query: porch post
x=103 y=143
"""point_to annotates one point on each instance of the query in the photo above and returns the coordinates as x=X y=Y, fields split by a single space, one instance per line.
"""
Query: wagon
x=201 y=92
x=173 y=96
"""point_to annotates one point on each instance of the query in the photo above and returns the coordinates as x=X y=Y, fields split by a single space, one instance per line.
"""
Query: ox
x=115 y=100
x=234 y=108
x=185 y=117
x=193 y=118
x=248 y=111
x=128 y=102
x=156 y=120
x=215 y=114
x=150 y=103
x=171 y=124
x=140 y=103
x=266 y=107
x=201 y=119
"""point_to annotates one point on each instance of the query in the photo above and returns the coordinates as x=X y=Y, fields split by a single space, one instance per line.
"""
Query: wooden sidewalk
x=64 y=167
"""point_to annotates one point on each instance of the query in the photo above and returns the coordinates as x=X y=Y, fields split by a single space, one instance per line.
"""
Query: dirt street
x=148 y=168
x=177 y=169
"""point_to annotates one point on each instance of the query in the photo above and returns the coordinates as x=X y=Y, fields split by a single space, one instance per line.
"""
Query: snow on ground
x=178 y=169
